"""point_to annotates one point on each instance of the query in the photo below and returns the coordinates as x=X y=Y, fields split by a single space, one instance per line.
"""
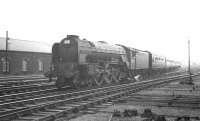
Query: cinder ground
x=173 y=89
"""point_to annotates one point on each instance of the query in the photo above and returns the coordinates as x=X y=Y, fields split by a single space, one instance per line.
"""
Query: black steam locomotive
x=79 y=62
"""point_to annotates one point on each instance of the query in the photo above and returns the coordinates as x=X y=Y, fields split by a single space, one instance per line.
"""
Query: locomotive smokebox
x=72 y=37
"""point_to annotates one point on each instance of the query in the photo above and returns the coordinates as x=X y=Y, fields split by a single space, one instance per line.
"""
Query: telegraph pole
x=189 y=56
x=7 y=51
x=190 y=81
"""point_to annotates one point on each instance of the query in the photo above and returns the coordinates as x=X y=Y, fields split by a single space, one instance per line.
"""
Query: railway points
x=171 y=102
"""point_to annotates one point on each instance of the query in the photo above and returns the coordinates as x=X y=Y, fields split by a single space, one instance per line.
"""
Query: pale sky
x=159 y=26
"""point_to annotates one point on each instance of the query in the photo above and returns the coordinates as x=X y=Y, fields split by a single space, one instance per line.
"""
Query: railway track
x=171 y=101
x=25 y=88
x=9 y=82
x=11 y=86
x=57 y=105
x=23 y=82
x=167 y=101
x=13 y=78
x=19 y=84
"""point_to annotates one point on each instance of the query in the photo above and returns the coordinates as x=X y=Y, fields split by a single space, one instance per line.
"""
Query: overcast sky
x=162 y=27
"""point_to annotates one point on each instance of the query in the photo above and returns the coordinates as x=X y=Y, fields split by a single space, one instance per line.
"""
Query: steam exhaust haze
x=162 y=27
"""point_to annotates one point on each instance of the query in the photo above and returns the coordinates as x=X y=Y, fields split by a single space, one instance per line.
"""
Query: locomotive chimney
x=72 y=37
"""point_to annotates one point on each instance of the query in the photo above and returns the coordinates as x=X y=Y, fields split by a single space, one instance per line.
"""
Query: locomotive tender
x=79 y=62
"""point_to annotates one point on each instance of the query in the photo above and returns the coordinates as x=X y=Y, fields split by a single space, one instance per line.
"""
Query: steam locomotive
x=79 y=62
